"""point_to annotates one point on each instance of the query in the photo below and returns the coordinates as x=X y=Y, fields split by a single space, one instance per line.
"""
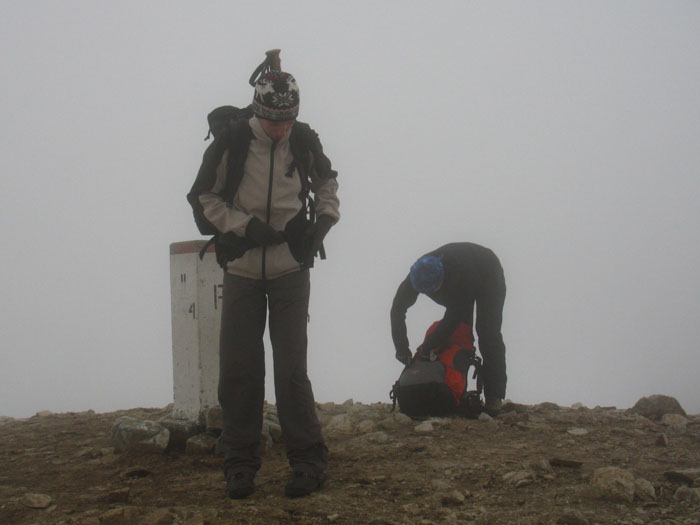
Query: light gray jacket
x=266 y=183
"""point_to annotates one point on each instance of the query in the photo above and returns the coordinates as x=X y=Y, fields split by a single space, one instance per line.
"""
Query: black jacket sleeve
x=405 y=298
x=206 y=177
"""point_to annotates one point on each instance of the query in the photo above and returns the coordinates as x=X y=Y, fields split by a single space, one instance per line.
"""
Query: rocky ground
x=532 y=464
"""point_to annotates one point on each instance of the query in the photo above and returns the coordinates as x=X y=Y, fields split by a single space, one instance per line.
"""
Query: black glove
x=313 y=238
x=262 y=234
x=230 y=246
x=404 y=356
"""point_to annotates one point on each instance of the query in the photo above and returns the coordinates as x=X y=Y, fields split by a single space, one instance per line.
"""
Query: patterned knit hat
x=276 y=96
x=426 y=274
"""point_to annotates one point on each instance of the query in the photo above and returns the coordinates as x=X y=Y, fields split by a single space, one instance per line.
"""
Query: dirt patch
x=530 y=465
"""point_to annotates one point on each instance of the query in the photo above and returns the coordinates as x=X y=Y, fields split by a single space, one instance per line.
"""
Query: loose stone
x=654 y=407
x=661 y=440
x=36 y=501
x=688 y=494
x=452 y=499
x=519 y=478
x=128 y=433
x=424 y=427
x=200 y=444
x=613 y=484
x=644 y=490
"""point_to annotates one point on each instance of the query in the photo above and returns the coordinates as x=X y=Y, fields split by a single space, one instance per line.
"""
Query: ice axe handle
x=271 y=62
x=273 y=57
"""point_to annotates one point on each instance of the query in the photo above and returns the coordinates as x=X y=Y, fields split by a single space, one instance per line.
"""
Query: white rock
x=180 y=430
x=340 y=423
x=36 y=501
x=387 y=423
x=613 y=484
x=271 y=416
x=402 y=418
x=424 y=427
x=644 y=490
x=675 y=422
x=519 y=478
x=366 y=426
x=357 y=408
x=275 y=431
x=441 y=484
x=377 y=437
x=129 y=433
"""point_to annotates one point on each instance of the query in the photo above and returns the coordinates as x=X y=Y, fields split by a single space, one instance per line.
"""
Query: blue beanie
x=426 y=274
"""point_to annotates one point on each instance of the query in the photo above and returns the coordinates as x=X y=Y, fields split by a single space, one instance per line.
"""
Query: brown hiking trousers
x=246 y=303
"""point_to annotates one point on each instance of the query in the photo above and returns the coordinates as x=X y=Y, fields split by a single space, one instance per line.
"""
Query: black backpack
x=421 y=390
x=223 y=118
x=437 y=386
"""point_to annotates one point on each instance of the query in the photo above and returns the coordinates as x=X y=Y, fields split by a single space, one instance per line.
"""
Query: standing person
x=266 y=242
x=457 y=276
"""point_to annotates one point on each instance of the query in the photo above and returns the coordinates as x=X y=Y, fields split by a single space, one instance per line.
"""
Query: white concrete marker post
x=196 y=292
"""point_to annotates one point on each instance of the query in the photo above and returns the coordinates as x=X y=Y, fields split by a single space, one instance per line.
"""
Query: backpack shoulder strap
x=238 y=139
x=304 y=141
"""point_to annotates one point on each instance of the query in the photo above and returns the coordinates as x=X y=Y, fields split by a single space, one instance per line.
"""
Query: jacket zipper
x=269 y=201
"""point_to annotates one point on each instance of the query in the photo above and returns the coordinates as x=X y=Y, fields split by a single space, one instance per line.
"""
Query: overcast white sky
x=563 y=135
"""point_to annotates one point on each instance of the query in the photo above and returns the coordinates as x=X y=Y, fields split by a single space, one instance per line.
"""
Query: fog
x=563 y=135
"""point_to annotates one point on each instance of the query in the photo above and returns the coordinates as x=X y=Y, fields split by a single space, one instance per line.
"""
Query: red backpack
x=439 y=387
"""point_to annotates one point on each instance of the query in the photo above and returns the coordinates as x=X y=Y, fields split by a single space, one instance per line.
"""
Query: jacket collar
x=259 y=133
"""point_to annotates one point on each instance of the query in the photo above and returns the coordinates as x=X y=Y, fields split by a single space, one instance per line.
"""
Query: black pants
x=490 y=297
x=242 y=371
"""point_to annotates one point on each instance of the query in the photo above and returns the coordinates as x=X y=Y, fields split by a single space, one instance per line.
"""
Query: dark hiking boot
x=302 y=484
x=240 y=485
x=492 y=406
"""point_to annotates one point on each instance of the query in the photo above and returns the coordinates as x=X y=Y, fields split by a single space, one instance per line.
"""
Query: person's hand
x=230 y=246
x=404 y=356
x=229 y=239
x=313 y=238
x=263 y=234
